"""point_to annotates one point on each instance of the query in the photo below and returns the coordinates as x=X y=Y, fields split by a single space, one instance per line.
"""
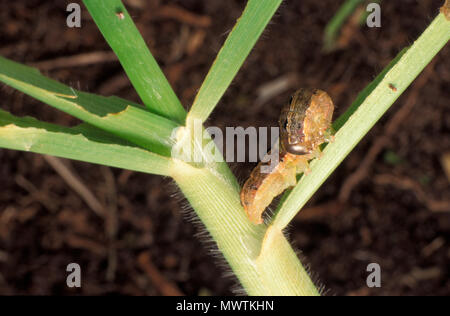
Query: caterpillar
x=305 y=123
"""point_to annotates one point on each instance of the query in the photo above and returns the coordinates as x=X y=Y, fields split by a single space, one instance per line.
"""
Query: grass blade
x=83 y=142
x=142 y=69
x=232 y=55
x=118 y=116
x=334 y=26
x=366 y=115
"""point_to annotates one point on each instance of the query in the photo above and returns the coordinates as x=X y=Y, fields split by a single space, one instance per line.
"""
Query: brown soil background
x=397 y=215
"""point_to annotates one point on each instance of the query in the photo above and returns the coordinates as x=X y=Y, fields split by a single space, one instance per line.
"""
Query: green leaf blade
x=83 y=142
x=118 y=116
x=141 y=67
x=236 y=48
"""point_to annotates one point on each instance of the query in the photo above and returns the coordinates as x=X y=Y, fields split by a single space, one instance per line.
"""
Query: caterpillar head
x=304 y=122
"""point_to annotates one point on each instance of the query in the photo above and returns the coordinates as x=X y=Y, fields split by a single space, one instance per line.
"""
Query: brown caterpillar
x=305 y=123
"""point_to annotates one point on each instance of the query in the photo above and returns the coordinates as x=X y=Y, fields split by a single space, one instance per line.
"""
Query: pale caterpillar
x=305 y=123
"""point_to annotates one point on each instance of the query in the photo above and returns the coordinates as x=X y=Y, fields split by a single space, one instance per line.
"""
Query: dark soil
x=397 y=215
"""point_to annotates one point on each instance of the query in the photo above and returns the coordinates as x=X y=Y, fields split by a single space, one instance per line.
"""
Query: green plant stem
x=262 y=259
